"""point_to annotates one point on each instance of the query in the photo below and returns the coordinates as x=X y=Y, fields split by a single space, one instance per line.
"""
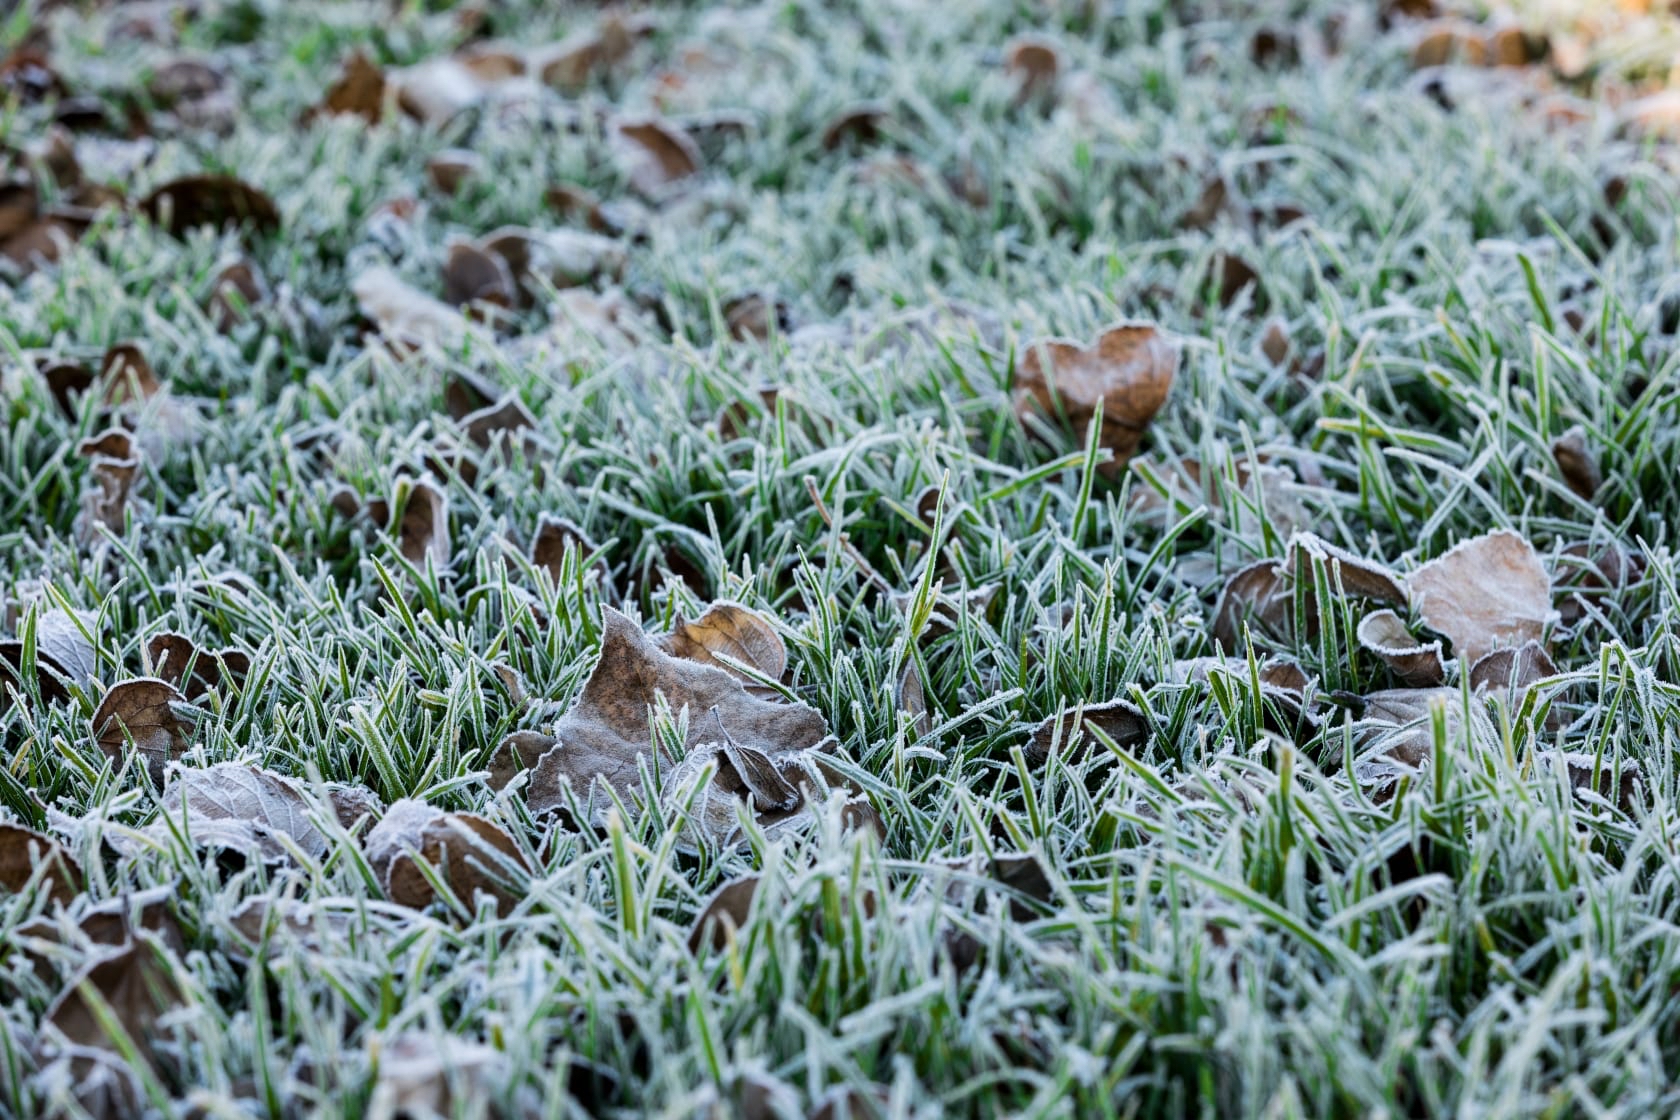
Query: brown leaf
x=1128 y=370
x=1512 y=670
x=25 y=853
x=657 y=156
x=1231 y=275
x=359 y=90
x=114 y=465
x=1208 y=205
x=424 y=1074
x=756 y=316
x=1398 y=723
x=729 y=630
x=1485 y=593
x=857 y=124
x=127 y=375
x=217 y=200
x=776 y=791
x=1417 y=664
x=1264 y=592
x=171 y=654
x=1070 y=732
x=434 y=91
x=1274 y=342
x=1617 y=785
x=569 y=64
x=470 y=853
x=1035 y=64
x=520 y=751
x=725 y=912
x=451 y=168
x=140 y=710
x=470 y=274
x=313 y=928
x=911 y=699
x=136 y=983
x=62 y=641
x=559 y=258
x=409 y=317
x=554 y=536
x=423 y=530
x=236 y=291
x=607 y=731
x=1576 y=462
x=67 y=381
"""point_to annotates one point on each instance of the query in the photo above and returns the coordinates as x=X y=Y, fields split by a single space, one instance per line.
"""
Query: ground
x=1348 y=869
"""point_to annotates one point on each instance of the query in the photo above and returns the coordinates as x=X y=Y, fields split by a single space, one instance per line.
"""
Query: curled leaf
x=1417 y=664
x=471 y=854
x=725 y=912
x=359 y=90
x=214 y=200
x=1070 y=732
x=27 y=855
x=656 y=155
x=1485 y=593
x=174 y=657
x=1128 y=371
x=730 y=637
x=1575 y=461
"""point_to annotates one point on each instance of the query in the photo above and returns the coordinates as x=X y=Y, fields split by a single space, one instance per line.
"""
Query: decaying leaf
x=656 y=155
x=114 y=464
x=725 y=912
x=108 y=924
x=775 y=789
x=520 y=751
x=359 y=90
x=472 y=275
x=67 y=381
x=313 y=926
x=910 y=698
x=860 y=123
x=557 y=258
x=173 y=657
x=569 y=64
x=62 y=640
x=215 y=200
x=729 y=632
x=1264 y=593
x=423 y=529
x=1485 y=593
x=1128 y=371
x=1070 y=734
x=1035 y=64
x=450 y=169
x=408 y=316
x=1576 y=462
x=470 y=853
x=136 y=983
x=236 y=291
x=435 y=90
x=555 y=536
x=421 y=1074
x=1417 y=664
x=607 y=733
x=249 y=810
x=27 y=855
x=141 y=710
x=1616 y=784
x=1512 y=669
x=1398 y=726
x=756 y=316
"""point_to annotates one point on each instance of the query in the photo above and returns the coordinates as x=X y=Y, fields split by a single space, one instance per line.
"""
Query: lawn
x=838 y=559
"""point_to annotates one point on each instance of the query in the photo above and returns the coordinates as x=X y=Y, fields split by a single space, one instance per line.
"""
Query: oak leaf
x=1128 y=370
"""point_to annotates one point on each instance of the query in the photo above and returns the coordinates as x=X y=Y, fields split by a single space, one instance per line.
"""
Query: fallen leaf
x=657 y=156
x=520 y=751
x=1034 y=63
x=359 y=90
x=910 y=698
x=1070 y=732
x=1128 y=371
x=424 y=1074
x=451 y=168
x=311 y=927
x=607 y=731
x=1265 y=592
x=558 y=258
x=1274 y=342
x=434 y=91
x=756 y=316
x=67 y=381
x=1211 y=203
x=1485 y=593
x=1576 y=462
x=472 y=275
x=423 y=529
x=569 y=64
x=725 y=912
x=1417 y=664
x=26 y=854
x=731 y=637
x=1397 y=724
x=136 y=984
x=62 y=641
x=468 y=852
x=140 y=710
x=410 y=317
x=114 y=464
x=242 y=807
x=555 y=535
x=1617 y=785
x=236 y=291
x=1512 y=670
x=858 y=124
x=215 y=200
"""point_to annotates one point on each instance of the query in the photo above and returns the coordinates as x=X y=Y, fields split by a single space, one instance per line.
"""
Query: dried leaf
x=1035 y=64
x=756 y=316
x=1512 y=670
x=656 y=155
x=172 y=654
x=1129 y=371
x=61 y=640
x=434 y=91
x=1070 y=732
x=136 y=983
x=1617 y=785
x=557 y=258
x=911 y=699
x=1576 y=462
x=470 y=274
x=67 y=381
x=1274 y=342
x=410 y=317
x=1400 y=722
x=313 y=928
x=127 y=376
x=520 y=751
x=236 y=290
x=729 y=631
x=1485 y=593
x=1417 y=664
x=437 y=1075
x=858 y=124
x=725 y=912
x=1264 y=592
x=140 y=710
x=25 y=854
x=359 y=90
x=242 y=807
x=555 y=535
x=216 y=200
x=607 y=732
x=423 y=530
x=450 y=169
x=470 y=853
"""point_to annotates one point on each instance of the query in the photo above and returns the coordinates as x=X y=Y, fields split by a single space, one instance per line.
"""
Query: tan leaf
x=434 y=91
x=67 y=381
x=555 y=535
x=467 y=851
x=1485 y=593
x=518 y=752
x=735 y=632
x=657 y=156
x=215 y=200
x=1417 y=664
x=127 y=376
x=1576 y=462
x=559 y=258
x=1264 y=592
x=1069 y=733
x=61 y=638
x=136 y=984
x=471 y=274
x=1274 y=342
x=1399 y=724
x=139 y=710
x=1128 y=370
x=777 y=791
x=242 y=807
x=607 y=731
x=25 y=853
x=410 y=317
x=422 y=1074
x=423 y=530
x=1512 y=670
x=451 y=168
x=911 y=699
x=725 y=912
x=172 y=654
x=756 y=316
x=860 y=124
x=1035 y=64
x=311 y=927
x=236 y=291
